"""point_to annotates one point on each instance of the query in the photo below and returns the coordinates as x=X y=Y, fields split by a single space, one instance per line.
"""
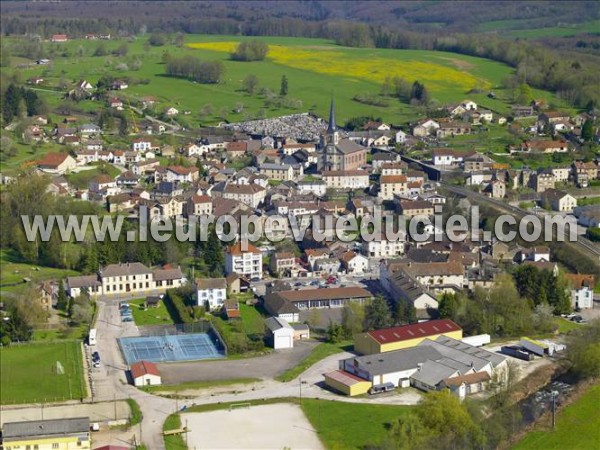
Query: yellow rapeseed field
x=374 y=68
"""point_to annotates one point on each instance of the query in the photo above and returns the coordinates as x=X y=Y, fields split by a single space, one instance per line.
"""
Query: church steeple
x=331 y=128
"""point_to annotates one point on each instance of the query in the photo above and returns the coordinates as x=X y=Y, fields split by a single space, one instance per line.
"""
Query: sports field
x=577 y=427
x=29 y=373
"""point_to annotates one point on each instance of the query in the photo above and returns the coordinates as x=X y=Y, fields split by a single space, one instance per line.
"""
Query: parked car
x=95 y=356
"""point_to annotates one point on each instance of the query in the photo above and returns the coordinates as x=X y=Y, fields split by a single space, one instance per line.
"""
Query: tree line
x=250 y=51
x=192 y=68
x=19 y=102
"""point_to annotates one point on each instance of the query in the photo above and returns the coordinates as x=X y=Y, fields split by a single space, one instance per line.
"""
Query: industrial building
x=433 y=364
x=61 y=434
x=405 y=336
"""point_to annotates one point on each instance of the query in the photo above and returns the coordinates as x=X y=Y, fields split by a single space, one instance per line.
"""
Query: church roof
x=331 y=128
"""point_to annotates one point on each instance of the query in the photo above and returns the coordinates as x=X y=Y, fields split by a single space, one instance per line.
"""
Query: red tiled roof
x=53 y=159
x=580 y=280
x=343 y=377
x=142 y=368
x=393 y=179
x=471 y=378
x=201 y=199
x=237 y=249
x=180 y=170
x=413 y=331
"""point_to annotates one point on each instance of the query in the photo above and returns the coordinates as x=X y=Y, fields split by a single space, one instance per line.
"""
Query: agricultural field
x=30 y=373
x=315 y=68
x=581 y=416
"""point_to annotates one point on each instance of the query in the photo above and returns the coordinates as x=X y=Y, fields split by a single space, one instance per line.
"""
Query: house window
x=55 y=445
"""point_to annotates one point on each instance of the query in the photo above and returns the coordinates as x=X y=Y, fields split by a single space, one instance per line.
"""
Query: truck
x=535 y=347
x=516 y=352
x=478 y=340
x=92 y=337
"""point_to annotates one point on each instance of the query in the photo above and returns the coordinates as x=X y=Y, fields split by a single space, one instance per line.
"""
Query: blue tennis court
x=168 y=348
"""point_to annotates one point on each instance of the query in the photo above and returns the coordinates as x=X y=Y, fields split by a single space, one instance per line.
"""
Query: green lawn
x=174 y=441
x=564 y=325
x=577 y=427
x=252 y=320
x=351 y=425
x=321 y=351
x=81 y=179
x=151 y=316
x=28 y=373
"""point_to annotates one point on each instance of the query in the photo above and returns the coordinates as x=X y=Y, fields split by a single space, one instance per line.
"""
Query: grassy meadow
x=151 y=316
x=315 y=68
x=28 y=373
x=577 y=427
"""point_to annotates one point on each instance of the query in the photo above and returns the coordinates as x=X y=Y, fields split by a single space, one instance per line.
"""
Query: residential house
x=354 y=263
x=447 y=157
x=393 y=168
x=391 y=185
x=346 y=179
x=56 y=163
x=544 y=180
x=545 y=146
x=115 y=103
x=199 y=205
x=119 y=85
x=182 y=174
x=247 y=261
x=561 y=174
x=495 y=189
x=412 y=208
x=144 y=167
x=282 y=262
x=449 y=129
x=477 y=162
x=171 y=111
x=59 y=38
x=425 y=127
x=317 y=187
x=211 y=292
x=581 y=288
x=249 y=194
x=536 y=254
x=282 y=172
x=559 y=200
x=194 y=150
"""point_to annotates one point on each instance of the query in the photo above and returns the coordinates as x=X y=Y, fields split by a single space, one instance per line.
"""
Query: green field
x=13 y=271
x=577 y=427
x=316 y=68
x=519 y=28
x=351 y=425
x=321 y=351
x=151 y=316
x=29 y=375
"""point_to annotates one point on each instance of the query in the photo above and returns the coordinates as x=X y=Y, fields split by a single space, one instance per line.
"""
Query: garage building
x=281 y=333
x=145 y=373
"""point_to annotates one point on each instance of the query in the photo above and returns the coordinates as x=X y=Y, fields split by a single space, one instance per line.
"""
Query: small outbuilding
x=152 y=301
x=145 y=373
x=281 y=333
x=301 y=331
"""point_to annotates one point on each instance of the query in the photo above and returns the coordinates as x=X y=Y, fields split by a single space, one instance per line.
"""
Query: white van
x=92 y=337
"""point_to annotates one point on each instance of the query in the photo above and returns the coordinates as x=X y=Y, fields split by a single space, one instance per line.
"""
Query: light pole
x=300 y=387
x=553 y=410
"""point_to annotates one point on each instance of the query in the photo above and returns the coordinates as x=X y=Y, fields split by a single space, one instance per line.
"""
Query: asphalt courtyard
x=276 y=426
x=266 y=366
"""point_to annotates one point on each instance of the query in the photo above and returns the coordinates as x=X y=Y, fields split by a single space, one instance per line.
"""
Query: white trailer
x=478 y=340
x=92 y=337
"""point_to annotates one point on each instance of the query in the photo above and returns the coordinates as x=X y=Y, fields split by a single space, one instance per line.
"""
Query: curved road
x=110 y=382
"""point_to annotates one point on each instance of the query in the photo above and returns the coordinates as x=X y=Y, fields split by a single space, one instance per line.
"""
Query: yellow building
x=346 y=383
x=405 y=336
x=58 y=434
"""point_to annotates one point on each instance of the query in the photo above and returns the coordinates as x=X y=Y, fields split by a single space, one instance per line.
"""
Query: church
x=339 y=154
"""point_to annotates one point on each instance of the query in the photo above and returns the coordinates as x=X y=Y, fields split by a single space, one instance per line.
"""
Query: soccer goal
x=59 y=369
x=239 y=406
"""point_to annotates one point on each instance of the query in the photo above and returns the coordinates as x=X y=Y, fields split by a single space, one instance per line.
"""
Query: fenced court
x=170 y=348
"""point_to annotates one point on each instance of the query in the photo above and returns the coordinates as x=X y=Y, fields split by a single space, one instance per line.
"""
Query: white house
x=581 y=289
x=354 y=263
x=145 y=373
x=282 y=333
x=383 y=248
x=212 y=291
x=141 y=145
x=318 y=187
x=244 y=262
x=400 y=137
